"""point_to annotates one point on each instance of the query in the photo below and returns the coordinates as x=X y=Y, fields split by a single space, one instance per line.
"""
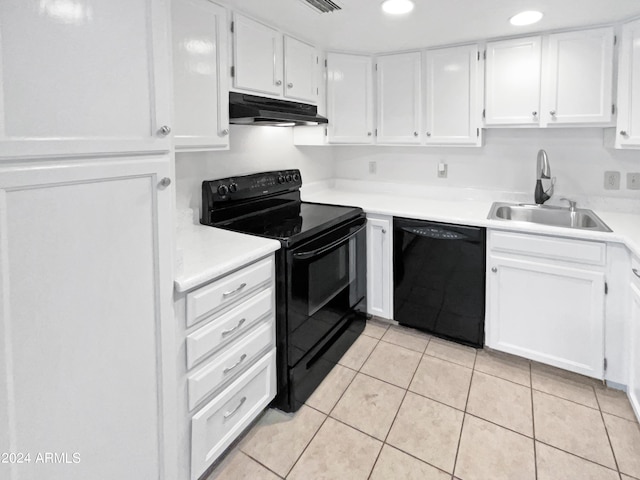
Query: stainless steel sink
x=546 y=215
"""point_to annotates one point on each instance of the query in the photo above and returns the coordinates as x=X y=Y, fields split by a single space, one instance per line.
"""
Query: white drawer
x=220 y=421
x=593 y=253
x=230 y=362
x=230 y=325
x=225 y=291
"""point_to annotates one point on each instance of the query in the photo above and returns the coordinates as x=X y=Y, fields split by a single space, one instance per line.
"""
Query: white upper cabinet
x=399 y=95
x=82 y=80
x=266 y=62
x=300 y=70
x=628 y=131
x=453 y=92
x=513 y=82
x=579 y=77
x=200 y=86
x=349 y=98
x=257 y=54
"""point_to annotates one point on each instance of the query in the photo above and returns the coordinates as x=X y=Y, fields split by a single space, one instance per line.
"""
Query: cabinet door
x=87 y=359
x=628 y=130
x=452 y=96
x=380 y=266
x=200 y=90
x=349 y=98
x=87 y=78
x=257 y=54
x=549 y=313
x=513 y=82
x=579 y=77
x=399 y=98
x=634 y=365
x=300 y=71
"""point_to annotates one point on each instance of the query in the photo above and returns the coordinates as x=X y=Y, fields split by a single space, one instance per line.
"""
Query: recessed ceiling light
x=526 y=18
x=397 y=7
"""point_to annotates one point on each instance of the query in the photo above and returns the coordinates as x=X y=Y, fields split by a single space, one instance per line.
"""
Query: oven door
x=326 y=281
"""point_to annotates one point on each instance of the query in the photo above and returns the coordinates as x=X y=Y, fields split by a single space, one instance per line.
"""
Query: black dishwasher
x=439 y=279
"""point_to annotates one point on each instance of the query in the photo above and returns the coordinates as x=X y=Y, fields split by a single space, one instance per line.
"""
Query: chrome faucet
x=543 y=171
x=572 y=204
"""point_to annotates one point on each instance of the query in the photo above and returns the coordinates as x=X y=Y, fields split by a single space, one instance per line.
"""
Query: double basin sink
x=580 y=218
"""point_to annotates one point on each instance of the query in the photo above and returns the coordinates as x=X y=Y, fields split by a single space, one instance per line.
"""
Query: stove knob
x=296 y=177
x=281 y=179
x=233 y=188
x=289 y=178
x=223 y=190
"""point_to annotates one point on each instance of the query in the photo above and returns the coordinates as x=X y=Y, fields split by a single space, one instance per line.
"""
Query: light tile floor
x=404 y=405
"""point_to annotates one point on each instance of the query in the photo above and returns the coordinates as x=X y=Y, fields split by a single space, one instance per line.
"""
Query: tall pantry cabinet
x=86 y=327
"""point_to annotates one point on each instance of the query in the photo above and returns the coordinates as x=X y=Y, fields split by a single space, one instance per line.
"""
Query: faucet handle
x=572 y=204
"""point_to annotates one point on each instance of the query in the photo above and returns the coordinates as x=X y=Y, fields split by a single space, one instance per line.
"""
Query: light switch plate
x=612 y=180
x=633 y=181
x=373 y=167
x=442 y=170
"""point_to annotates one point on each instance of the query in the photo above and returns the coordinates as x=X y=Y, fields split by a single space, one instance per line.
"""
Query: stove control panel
x=246 y=187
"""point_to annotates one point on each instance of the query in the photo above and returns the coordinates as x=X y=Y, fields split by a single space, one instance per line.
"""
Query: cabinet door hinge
x=233 y=71
x=376 y=67
x=478 y=55
x=615 y=39
x=477 y=132
x=317 y=60
x=376 y=130
x=606 y=288
x=325 y=63
x=484 y=113
x=232 y=26
x=484 y=55
x=604 y=364
x=613 y=109
x=326 y=132
x=317 y=91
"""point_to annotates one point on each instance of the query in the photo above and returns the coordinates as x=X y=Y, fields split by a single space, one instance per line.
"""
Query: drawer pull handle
x=231 y=413
x=236 y=365
x=231 y=330
x=234 y=292
x=636 y=272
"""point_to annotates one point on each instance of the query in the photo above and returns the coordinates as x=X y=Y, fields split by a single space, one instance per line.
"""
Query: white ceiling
x=362 y=27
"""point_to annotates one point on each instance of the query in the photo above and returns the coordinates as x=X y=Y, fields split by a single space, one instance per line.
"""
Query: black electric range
x=320 y=271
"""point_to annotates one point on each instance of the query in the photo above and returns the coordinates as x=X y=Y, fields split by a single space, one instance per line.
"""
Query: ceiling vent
x=322 y=6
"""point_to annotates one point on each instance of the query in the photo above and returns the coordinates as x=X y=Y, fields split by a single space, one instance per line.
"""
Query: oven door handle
x=326 y=248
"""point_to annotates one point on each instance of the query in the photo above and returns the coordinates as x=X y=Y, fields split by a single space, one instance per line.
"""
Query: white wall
x=253 y=149
x=506 y=162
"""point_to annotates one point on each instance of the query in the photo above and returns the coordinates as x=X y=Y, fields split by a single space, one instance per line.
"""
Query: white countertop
x=470 y=211
x=205 y=253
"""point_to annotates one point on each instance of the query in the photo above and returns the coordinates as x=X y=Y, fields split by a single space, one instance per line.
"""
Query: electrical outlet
x=442 y=170
x=633 y=181
x=612 y=180
x=373 y=167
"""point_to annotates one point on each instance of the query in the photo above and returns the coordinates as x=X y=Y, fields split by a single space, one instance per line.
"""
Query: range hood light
x=526 y=18
x=397 y=7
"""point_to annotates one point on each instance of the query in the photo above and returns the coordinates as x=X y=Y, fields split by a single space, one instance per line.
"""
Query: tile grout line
x=464 y=415
x=533 y=424
x=606 y=430
x=406 y=390
x=575 y=455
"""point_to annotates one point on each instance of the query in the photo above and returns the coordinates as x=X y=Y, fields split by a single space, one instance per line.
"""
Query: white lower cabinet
x=380 y=266
x=546 y=300
x=227 y=367
x=633 y=387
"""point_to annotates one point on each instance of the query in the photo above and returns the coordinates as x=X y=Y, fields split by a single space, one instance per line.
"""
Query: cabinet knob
x=165 y=182
x=368 y=134
x=428 y=134
x=164 y=130
x=289 y=85
x=225 y=132
x=535 y=114
x=494 y=269
x=415 y=134
x=278 y=82
x=552 y=113
x=384 y=230
x=623 y=133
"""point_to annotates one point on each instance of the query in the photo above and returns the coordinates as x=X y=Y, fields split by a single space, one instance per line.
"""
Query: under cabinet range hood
x=254 y=110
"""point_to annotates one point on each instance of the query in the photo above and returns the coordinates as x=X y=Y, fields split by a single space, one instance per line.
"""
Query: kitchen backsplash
x=253 y=149
x=506 y=163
